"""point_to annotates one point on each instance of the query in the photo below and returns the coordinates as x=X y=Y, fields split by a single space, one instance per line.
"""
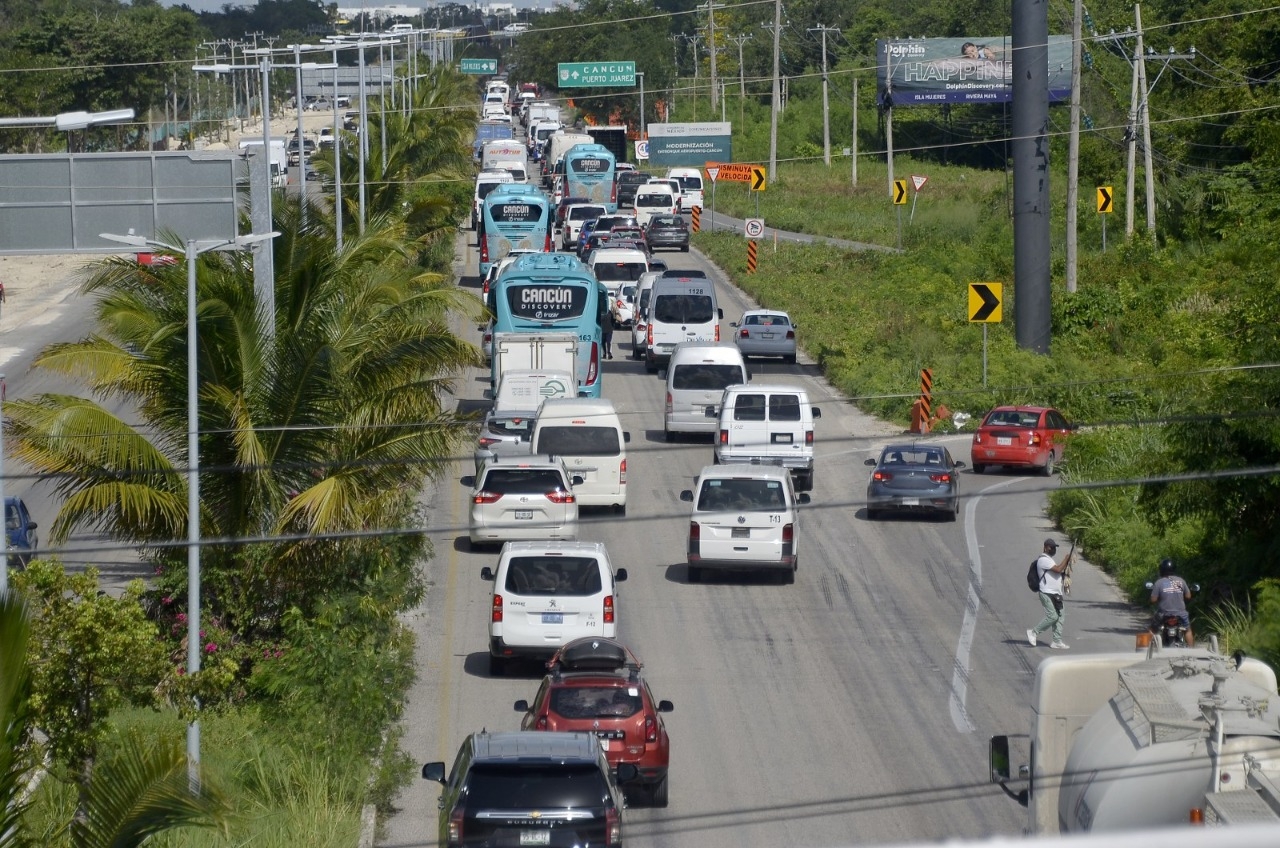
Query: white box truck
x=534 y=351
x=276 y=154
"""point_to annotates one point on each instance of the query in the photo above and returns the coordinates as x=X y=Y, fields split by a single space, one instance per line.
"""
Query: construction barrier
x=697 y=218
x=751 y=256
x=922 y=409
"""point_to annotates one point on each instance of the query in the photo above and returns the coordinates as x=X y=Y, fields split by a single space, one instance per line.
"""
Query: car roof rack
x=594 y=654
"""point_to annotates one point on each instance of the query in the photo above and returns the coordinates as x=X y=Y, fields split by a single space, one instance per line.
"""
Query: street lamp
x=72 y=120
x=192 y=249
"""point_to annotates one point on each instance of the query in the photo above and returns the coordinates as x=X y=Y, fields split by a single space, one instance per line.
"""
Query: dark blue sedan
x=20 y=530
x=914 y=477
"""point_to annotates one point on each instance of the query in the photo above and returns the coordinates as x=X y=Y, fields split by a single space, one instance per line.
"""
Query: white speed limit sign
x=754 y=227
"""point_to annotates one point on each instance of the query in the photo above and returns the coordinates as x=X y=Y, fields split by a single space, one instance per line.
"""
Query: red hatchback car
x=1020 y=437
x=594 y=685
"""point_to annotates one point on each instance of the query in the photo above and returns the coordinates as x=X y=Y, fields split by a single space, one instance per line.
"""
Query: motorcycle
x=1169 y=628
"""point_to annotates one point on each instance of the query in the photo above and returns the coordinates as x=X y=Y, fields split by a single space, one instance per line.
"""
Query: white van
x=515 y=169
x=681 y=309
x=546 y=594
x=768 y=424
x=486 y=181
x=640 y=324
x=690 y=180
x=697 y=376
x=587 y=434
x=614 y=266
x=655 y=199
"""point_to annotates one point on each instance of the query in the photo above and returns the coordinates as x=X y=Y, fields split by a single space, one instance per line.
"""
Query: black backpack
x=1033 y=575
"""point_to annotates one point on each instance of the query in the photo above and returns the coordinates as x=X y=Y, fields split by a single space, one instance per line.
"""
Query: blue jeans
x=1052 y=617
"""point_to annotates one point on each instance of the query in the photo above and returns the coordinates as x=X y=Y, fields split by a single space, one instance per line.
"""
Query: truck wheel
x=695 y=573
x=979 y=468
x=497 y=666
x=658 y=792
x=650 y=366
x=787 y=576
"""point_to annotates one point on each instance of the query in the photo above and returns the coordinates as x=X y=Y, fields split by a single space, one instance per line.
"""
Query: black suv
x=628 y=182
x=517 y=788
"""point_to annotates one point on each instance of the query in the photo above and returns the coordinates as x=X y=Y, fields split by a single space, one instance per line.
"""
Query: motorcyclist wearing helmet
x=1170 y=595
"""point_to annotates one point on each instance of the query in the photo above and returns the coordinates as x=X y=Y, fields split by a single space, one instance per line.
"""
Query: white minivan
x=697 y=376
x=655 y=199
x=546 y=594
x=614 y=266
x=690 y=180
x=681 y=309
x=768 y=424
x=587 y=434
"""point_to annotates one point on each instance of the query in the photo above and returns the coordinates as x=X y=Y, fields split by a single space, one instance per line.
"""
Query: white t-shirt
x=1050 y=581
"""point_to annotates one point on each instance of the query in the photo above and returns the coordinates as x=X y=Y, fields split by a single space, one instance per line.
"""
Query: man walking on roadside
x=1051 y=591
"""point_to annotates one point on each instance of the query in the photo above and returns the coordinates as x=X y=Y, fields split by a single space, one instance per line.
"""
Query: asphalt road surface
x=853 y=707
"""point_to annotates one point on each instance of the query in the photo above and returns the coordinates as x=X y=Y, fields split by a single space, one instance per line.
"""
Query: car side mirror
x=522 y=706
x=687 y=496
x=486 y=573
x=666 y=707
x=433 y=771
x=578 y=480
x=31 y=525
x=733 y=324
x=626 y=437
x=817 y=413
x=958 y=464
x=802 y=498
x=620 y=576
x=719 y=313
x=710 y=412
x=998 y=758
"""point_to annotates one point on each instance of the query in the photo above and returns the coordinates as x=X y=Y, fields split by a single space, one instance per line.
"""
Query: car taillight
x=541 y=723
x=608 y=609
x=546 y=244
x=668 y=403
x=744 y=333
x=648 y=335
x=717 y=332
x=1035 y=439
x=788 y=533
x=495 y=615
x=593 y=367
x=613 y=827
x=486 y=497
x=650 y=729
x=695 y=540
x=724 y=437
x=944 y=477
x=622 y=473
x=791 y=334
x=808 y=437
x=560 y=497
x=882 y=476
x=977 y=437
x=485 y=441
x=484 y=248
x=455 y=826
x=789 y=543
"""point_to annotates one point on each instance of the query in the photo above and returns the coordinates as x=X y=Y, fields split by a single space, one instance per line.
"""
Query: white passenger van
x=768 y=424
x=546 y=594
x=681 y=309
x=690 y=180
x=640 y=323
x=486 y=181
x=614 y=266
x=587 y=434
x=697 y=376
x=655 y=199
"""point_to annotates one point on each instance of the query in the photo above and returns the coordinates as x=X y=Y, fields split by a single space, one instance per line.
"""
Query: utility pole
x=711 y=41
x=777 y=90
x=853 y=144
x=693 y=41
x=826 y=104
x=742 y=80
x=1073 y=147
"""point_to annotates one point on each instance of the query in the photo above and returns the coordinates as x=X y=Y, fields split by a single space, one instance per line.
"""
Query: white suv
x=744 y=519
x=546 y=594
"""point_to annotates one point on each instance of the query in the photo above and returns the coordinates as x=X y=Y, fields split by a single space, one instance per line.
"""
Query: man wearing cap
x=1051 y=574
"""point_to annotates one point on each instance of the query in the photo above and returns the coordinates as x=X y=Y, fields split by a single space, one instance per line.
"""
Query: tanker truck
x=1148 y=739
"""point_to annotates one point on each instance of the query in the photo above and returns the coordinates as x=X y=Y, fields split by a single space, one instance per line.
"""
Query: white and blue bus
x=513 y=215
x=554 y=292
x=589 y=171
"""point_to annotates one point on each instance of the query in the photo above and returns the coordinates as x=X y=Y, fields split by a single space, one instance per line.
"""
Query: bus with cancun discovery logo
x=589 y=171
x=513 y=215
x=554 y=292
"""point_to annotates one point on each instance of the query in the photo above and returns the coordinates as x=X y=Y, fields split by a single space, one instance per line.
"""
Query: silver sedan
x=766 y=332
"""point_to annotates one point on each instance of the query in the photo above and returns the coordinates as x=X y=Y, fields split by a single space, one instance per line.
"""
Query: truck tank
x=1181 y=733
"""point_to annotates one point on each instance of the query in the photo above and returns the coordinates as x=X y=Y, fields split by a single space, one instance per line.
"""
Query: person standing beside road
x=606 y=338
x=1052 y=575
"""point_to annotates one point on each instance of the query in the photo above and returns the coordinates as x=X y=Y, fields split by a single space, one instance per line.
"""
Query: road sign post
x=986 y=306
x=1105 y=206
x=899 y=199
x=918 y=182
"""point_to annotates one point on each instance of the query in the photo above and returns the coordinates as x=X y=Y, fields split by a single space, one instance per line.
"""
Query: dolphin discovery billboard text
x=929 y=71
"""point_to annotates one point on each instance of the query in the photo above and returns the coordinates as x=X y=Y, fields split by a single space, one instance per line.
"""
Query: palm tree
x=326 y=427
x=142 y=790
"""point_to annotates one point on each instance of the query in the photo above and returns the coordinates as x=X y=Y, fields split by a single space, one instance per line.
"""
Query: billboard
x=689 y=145
x=931 y=71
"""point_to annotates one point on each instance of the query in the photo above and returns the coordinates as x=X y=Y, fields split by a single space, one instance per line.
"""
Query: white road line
x=973 y=603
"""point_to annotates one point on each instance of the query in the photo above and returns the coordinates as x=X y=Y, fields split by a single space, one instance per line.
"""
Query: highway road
x=851 y=707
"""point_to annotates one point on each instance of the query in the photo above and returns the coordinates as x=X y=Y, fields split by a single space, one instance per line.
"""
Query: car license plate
x=1004 y=440
x=911 y=502
x=535 y=837
x=524 y=515
x=781 y=438
x=766 y=335
x=553 y=618
x=741 y=533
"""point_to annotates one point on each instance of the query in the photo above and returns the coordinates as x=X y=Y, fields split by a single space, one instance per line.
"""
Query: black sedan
x=914 y=478
x=667 y=231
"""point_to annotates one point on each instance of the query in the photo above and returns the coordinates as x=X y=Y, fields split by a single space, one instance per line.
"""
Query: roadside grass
x=284 y=797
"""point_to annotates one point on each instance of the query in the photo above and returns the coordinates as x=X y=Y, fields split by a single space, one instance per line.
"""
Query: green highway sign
x=595 y=74
x=479 y=66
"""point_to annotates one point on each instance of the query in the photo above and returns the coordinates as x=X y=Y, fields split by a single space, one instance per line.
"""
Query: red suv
x=1020 y=437
x=594 y=685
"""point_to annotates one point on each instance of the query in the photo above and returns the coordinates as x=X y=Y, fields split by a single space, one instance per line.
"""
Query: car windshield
x=660 y=200
x=579 y=441
x=705 y=376
x=501 y=786
x=509 y=426
x=743 y=495
x=916 y=456
x=1013 y=418
x=694 y=183
x=597 y=701
x=665 y=221
x=554 y=575
x=683 y=309
x=766 y=321
x=614 y=271
x=522 y=481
